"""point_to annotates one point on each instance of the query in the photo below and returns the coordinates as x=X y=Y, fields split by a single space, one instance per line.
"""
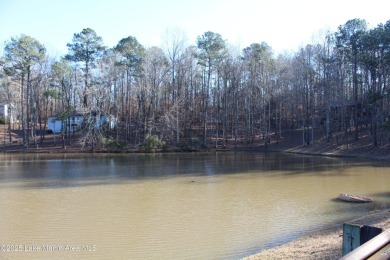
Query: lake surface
x=175 y=206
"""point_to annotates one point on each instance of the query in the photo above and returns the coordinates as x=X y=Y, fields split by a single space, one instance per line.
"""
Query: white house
x=73 y=123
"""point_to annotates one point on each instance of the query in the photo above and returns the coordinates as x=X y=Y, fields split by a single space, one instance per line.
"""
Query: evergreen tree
x=86 y=47
x=21 y=54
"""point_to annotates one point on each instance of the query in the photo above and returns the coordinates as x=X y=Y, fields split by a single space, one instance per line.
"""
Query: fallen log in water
x=353 y=198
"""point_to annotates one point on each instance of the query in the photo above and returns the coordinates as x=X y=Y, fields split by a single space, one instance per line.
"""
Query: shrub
x=111 y=143
x=116 y=144
x=152 y=143
x=4 y=120
x=191 y=144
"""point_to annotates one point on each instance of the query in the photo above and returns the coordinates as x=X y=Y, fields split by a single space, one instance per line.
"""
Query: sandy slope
x=325 y=244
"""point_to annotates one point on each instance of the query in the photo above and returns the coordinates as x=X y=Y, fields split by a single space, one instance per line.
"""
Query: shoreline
x=300 y=150
x=323 y=244
x=290 y=143
x=360 y=149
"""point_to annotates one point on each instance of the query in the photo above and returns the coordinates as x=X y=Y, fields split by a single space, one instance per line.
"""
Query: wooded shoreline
x=202 y=95
x=361 y=148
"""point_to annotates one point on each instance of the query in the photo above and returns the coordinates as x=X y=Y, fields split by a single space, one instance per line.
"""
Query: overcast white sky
x=284 y=24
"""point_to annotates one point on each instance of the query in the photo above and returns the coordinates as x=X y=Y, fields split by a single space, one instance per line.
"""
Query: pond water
x=175 y=206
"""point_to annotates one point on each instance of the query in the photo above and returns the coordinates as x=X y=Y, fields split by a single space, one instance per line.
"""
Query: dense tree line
x=206 y=94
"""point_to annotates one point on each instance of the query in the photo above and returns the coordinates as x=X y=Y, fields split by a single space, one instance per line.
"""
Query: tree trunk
x=27 y=130
x=9 y=123
x=328 y=133
x=235 y=100
x=374 y=127
x=355 y=88
x=177 y=125
x=85 y=101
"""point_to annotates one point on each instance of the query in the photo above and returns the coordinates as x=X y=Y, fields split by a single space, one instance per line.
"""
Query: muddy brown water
x=175 y=206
